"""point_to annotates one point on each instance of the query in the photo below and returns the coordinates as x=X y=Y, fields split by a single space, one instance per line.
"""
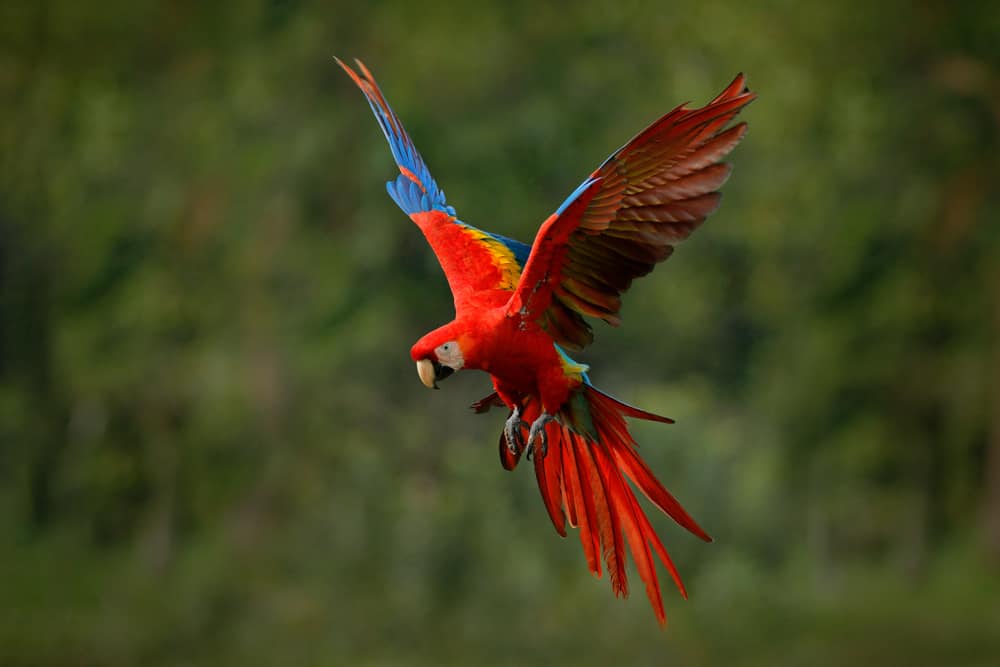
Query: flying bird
x=519 y=311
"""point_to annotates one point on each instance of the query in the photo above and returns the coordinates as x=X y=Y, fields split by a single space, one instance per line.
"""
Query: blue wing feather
x=414 y=190
x=576 y=193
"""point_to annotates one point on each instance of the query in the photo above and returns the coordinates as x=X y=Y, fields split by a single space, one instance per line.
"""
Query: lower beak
x=432 y=371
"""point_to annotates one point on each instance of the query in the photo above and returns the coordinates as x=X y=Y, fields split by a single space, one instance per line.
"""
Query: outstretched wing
x=647 y=197
x=474 y=261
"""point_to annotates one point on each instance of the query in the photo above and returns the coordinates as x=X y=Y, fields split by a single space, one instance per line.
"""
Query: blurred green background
x=213 y=446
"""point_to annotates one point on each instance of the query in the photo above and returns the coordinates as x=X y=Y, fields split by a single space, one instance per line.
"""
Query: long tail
x=582 y=479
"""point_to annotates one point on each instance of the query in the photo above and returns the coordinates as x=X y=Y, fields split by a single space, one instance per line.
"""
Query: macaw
x=520 y=308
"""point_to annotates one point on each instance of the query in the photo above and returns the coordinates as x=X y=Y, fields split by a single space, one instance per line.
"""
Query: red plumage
x=513 y=316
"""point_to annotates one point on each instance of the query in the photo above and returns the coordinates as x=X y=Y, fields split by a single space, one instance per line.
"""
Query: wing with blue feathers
x=473 y=261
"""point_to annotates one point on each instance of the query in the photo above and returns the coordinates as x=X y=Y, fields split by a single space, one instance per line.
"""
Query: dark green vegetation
x=214 y=449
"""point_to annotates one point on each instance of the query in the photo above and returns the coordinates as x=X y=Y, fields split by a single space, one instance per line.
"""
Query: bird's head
x=438 y=355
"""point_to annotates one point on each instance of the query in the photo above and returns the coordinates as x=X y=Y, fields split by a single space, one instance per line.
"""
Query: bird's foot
x=538 y=441
x=512 y=432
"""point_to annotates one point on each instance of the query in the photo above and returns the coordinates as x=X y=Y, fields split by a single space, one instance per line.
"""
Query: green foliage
x=212 y=446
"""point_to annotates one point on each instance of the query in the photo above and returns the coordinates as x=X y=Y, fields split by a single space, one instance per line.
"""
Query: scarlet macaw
x=518 y=308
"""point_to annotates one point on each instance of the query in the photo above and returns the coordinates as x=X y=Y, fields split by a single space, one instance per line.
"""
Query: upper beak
x=432 y=371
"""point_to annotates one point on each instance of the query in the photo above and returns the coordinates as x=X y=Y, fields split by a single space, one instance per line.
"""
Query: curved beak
x=432 y=371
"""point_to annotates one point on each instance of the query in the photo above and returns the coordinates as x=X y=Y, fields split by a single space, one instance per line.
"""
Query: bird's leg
x=512 y=431
x=538 y=441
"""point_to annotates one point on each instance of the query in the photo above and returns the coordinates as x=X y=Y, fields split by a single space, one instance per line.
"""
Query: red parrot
x=518 y=308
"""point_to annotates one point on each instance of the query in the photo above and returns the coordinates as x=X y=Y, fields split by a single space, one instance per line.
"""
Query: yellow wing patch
x=503 y=258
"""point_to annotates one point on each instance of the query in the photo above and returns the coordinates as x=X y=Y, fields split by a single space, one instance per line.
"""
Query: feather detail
x=607 y=523
x=687 y=187
x=585 y=502
x=548 y=469
x=639 y=472
x=626 y=509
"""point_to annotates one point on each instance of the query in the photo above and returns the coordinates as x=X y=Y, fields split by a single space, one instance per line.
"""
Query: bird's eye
x=447 y=351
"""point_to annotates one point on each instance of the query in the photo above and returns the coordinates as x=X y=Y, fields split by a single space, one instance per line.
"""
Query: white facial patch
x=450 y=354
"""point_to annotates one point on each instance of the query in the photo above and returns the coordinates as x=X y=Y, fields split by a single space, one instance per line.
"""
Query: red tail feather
x=548 y=469
x=580 y=496
x=583 y=480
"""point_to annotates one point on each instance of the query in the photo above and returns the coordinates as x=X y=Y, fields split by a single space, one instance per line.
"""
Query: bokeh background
x=213 y=446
